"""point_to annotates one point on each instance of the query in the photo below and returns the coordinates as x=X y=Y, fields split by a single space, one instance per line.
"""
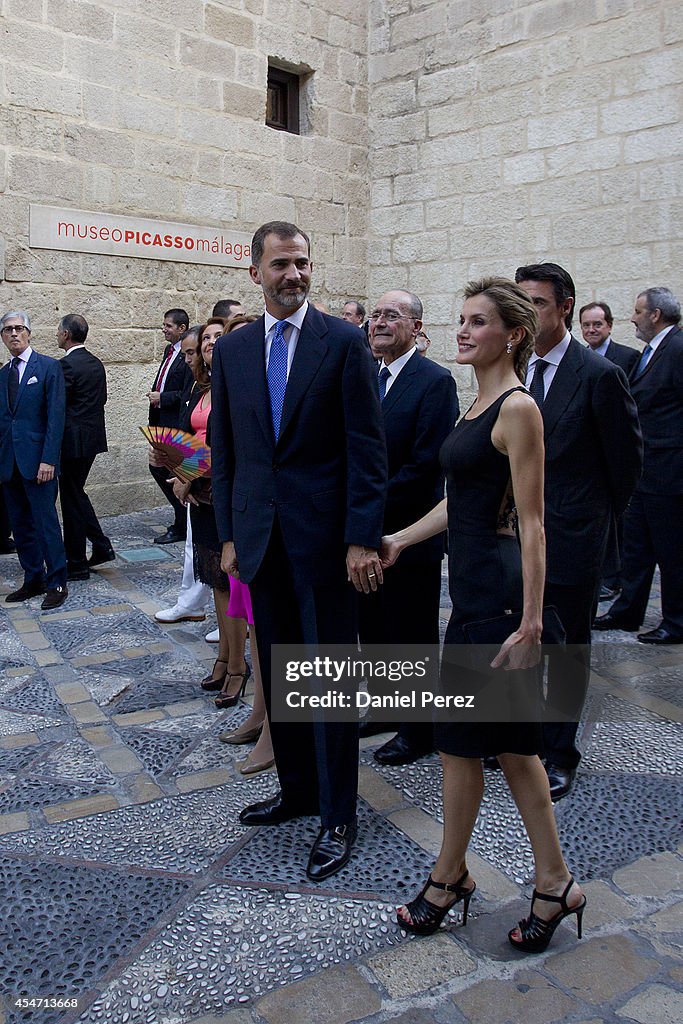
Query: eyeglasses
x=14 y=327
x=390 y=317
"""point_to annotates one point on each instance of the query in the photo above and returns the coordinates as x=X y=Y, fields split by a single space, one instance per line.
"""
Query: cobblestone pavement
x=128 y=885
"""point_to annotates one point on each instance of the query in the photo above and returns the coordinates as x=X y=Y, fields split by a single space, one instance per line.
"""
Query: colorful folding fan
x=184 y=454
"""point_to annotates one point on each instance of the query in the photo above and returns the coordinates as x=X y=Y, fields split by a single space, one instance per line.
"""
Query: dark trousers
x=37 y=534
x=5 y=528
x=317 y=763
x=653 y=532
x=569 y=671
x=162 y=476
x=404 y=610
x=78 y=516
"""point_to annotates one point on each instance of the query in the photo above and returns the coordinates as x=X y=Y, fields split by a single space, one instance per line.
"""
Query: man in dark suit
x=419 y=407
x=7 y=545
x=299 y=478
x=31 y=428
x=172 y=380
x=653 y=522
x=85 y=380
x=596 y=326
x=593 y=460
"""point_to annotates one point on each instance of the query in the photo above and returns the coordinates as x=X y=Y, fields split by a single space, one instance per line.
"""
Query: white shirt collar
x=659 y=338
x=601 y=350
x=397 y=365
x=296 y=318
x=72 y=348
x=555 y=354
x=25 y=355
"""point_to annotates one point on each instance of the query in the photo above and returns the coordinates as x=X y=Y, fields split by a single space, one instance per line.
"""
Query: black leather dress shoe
x=613 y=622
x=561 y=780
x=331 y=851
x=172 y=536
x=26 y=591
x=608 y=593
x=397 y=751
x=273 y=811
x=373 y=727
x=7 y=547
x=101 y=555
x=55 y=597
x=659 y=636
x=78 y=574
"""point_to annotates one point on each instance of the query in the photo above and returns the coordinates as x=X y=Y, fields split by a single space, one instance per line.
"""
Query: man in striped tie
x=299 y=479
x=170 y=383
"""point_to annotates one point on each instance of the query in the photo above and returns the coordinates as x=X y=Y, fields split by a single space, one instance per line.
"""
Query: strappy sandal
x=211 y=682
x=425 y=916
x=537 y=933
x=225 y=699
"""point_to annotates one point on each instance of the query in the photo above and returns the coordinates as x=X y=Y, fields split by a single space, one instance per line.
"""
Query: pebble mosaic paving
x=62 y=927
x=142 y=893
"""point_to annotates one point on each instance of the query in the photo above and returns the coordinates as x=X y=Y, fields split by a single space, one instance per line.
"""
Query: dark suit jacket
x=658 y=393
x=33 y=432
x=178 y=381
x=622 y=355
x=593 y=460
x=86 y=394
x=325 y=479
x=419 y=410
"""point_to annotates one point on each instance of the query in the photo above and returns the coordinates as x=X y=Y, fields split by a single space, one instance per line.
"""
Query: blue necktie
x=644 y=360
x=382 y=379
x=276 y=374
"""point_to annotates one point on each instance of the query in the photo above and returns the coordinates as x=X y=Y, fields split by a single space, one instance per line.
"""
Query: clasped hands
x=364 y=568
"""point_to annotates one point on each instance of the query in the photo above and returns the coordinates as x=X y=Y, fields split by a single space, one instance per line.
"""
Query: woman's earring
x=508 y=348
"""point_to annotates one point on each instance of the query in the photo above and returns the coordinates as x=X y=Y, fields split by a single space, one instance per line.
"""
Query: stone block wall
x=506 y=131
x=155 y=108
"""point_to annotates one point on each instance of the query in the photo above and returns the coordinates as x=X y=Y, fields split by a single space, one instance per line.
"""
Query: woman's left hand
x=521 y=650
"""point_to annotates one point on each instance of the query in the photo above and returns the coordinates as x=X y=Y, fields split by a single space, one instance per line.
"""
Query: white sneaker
x=213 y=637
x=176 y=614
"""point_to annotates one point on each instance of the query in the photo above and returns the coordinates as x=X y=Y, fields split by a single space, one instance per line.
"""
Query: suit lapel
x=28 y=373
x=310 y=352
x=657 y=354
x=401 y=384
x=563 y=388
x=252 y=363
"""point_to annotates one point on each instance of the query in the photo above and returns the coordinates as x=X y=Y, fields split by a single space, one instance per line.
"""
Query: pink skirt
x=239 y=605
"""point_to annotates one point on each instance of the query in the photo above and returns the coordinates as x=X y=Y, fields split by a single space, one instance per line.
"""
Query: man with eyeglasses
x=32 y=412
x=419 y=406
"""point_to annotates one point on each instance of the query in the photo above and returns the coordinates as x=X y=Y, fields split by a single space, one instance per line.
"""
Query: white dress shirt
x=292 y=332
x=23 y=358
x=162 y=382
x=553 y=360
x=395 y=368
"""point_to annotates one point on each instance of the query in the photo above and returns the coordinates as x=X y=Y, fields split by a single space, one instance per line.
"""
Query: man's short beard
x=291 y=299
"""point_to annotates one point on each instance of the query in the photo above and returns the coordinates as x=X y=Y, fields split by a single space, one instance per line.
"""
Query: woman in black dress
x=494 y=465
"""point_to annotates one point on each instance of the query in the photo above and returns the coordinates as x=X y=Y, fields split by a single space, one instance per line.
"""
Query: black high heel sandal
x=537 y=933
x=210 y=682
x=427 y=916
x=228 y=700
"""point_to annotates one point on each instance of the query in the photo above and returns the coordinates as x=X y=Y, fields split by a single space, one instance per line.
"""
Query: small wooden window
x=282 y=107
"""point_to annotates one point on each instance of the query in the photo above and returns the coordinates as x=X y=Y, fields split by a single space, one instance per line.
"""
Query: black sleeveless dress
x=484 y=568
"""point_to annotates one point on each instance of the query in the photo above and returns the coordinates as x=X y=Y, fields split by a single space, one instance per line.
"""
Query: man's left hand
x=45 y=472
x=364 y=568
